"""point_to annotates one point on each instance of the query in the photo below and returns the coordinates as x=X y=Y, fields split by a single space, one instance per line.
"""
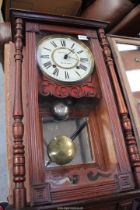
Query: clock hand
x=66 y=56
x=74 y=58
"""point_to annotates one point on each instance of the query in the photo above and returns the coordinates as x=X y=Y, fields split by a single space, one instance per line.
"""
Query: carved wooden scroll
x=89 y=88
x=18 y=127
x=125 y=120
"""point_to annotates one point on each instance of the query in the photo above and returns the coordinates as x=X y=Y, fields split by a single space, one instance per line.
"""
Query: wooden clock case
x=109 y=183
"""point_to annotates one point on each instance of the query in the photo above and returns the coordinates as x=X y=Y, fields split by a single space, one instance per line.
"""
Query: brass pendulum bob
x=61 y=149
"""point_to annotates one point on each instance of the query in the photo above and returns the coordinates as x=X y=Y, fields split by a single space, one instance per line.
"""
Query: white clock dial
x=64 y=58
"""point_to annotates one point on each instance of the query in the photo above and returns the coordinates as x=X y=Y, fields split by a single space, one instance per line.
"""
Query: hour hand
x=67 y=55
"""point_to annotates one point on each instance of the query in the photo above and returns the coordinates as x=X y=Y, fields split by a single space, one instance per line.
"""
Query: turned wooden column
x=18 y=127
x=124 y=116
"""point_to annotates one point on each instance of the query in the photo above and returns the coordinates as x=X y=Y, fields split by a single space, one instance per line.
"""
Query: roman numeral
x=63 y=43
x=72 y=45
x=47 y=48
x=44 y=56
x=66 y=75
x=80 y=51
x=83 y=67
x=47 y=64
x=78 y=73
x=84 y=59
x=56 y=72
x=54 y=44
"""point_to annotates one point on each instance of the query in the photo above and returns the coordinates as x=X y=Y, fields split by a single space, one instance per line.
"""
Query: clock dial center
x=65 y=58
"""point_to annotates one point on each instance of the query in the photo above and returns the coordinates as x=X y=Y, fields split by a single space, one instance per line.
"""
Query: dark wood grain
x=55 y=19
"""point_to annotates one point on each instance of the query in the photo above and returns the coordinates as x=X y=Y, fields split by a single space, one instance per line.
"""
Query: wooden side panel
x=33 y=131
x=130 y=139
x=107 y=92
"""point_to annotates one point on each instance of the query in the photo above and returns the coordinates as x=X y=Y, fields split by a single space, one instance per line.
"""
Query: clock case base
x=123 y=201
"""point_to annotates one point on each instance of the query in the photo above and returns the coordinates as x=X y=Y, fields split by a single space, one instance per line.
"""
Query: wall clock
x=65 y=114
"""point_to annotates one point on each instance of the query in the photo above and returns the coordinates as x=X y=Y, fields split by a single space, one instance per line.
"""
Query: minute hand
x=74 y=58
